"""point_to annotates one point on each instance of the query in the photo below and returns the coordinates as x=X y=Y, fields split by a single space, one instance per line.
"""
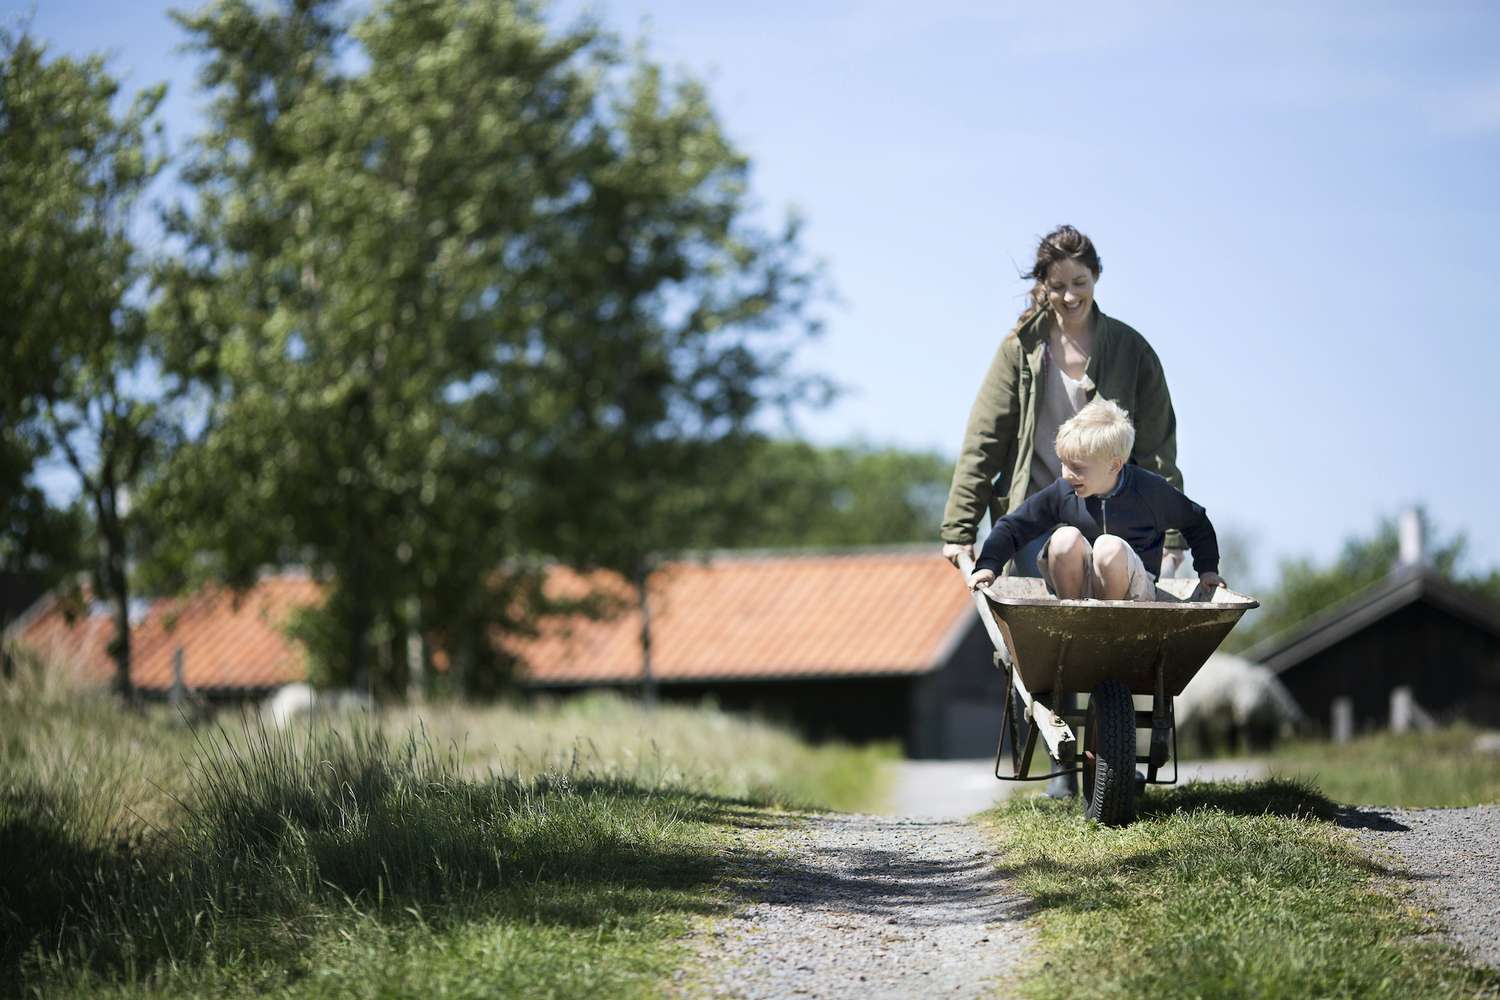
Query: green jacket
x=1002 y=422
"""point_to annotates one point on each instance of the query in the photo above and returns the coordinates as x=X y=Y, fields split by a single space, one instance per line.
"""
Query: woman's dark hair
x=1063 y=243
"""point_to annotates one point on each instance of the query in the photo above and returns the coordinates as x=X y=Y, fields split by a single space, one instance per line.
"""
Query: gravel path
x=1455 y=856
x=905 y=905
x=865 y=906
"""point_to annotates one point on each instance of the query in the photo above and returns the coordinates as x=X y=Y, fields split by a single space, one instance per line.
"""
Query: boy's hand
x=981 y=577
x=1210 y=581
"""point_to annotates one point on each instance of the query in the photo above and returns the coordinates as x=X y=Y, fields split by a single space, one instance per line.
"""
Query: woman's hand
x=980 y=578
x=952 y=550
x=1211 y=581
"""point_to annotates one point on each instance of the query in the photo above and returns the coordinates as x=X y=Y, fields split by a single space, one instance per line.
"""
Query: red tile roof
x=738 y=617
x=768 y=616
x=227 y=640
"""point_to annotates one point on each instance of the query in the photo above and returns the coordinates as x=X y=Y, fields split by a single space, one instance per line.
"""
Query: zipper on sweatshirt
x=1104 y=514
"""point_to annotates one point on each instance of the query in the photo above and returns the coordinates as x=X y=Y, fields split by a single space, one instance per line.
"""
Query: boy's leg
x=1118 y=573
x=1065 y=563
x=1024 y=562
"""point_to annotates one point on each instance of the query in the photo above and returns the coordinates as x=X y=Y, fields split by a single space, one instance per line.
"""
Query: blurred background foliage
x=443 y=292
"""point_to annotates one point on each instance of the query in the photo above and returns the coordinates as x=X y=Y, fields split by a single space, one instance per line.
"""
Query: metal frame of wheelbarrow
x=1153 y=648
x=1161 y=720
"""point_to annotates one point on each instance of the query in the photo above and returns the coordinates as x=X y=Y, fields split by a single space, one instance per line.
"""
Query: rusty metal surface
x=1085 y=642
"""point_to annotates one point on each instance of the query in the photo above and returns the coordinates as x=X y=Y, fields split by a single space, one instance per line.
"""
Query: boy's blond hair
x=1102 y=429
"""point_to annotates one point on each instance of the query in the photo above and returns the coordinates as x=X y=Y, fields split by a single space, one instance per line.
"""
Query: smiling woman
x=1062 y=352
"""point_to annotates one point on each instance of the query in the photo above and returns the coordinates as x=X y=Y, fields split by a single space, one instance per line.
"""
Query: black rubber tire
x=1109 y=755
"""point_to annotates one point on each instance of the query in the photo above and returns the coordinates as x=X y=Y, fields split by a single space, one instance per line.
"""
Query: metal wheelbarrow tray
x=1051 y=649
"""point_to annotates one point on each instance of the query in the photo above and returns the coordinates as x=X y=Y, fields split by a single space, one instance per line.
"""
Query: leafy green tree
x=1305 y=588
x=459 y=288
x=800 y=494
x=72 y=173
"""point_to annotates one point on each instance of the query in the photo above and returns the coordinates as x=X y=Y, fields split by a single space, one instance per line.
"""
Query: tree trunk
x=359 y=647
x=115 y=578
x=648 y=680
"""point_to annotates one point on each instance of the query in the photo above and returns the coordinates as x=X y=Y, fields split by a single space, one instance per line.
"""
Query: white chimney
x=1409 y=534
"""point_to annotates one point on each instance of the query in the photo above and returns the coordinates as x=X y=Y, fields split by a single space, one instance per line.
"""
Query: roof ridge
x=1310 y=624
x=808 y=552
x=1403 y=585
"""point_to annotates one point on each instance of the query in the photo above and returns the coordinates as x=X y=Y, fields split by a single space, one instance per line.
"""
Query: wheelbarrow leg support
x=1162 y=723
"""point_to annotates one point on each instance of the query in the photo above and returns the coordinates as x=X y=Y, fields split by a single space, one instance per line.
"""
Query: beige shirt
x=1061 y=397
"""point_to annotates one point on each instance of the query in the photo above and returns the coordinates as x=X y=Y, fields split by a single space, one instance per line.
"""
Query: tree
x=71 y=176
x=1305 y=588
x=800 y=494
x=450 y=301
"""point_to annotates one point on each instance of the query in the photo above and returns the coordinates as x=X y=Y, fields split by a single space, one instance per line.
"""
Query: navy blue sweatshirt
x=1141 y=509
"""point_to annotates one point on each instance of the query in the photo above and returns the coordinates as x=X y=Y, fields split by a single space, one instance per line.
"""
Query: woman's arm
x=990 y=436
x=1155 y=420
x=1156 y=429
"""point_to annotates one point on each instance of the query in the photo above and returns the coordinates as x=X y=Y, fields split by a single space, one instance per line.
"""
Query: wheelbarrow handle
x=1054 y=731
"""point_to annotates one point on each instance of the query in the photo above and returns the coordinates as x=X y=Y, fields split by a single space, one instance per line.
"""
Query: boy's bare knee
x=1110 y=550
x=1067 y=541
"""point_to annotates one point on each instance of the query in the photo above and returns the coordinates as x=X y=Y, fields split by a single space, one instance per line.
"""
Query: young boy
x=1107 y=519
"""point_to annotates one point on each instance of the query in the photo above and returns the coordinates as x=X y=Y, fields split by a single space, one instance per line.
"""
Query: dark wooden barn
x=1413 y=630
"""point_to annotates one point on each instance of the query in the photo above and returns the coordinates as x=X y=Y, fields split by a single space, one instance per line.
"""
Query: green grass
x=1411 y=770
x=1218 y=890
x=609 y=736
x=560 y=851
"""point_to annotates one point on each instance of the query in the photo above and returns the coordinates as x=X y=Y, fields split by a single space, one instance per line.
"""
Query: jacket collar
x=1119 y=482
x=1033 y=337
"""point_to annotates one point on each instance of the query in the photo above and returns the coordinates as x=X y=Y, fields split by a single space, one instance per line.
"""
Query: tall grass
x=1411 y=770
x=609 y=737
x=558 y=851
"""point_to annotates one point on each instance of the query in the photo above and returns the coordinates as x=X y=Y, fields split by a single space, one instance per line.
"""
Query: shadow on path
x=867 y=906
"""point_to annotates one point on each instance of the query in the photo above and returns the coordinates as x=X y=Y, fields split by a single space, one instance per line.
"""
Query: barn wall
x=1452 y=667
x=956 y=710
x=854 y=710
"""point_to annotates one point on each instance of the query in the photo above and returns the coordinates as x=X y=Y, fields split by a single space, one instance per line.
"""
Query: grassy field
x=555 y=852
x=1219 y=890
x=1411 y=770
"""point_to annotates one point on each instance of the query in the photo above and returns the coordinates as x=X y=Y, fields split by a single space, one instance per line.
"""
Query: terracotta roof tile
x=737 y=617
x=227 y=640
x=743 y=617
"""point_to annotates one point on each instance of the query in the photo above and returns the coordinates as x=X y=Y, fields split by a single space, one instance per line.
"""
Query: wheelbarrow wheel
x=1109 y=755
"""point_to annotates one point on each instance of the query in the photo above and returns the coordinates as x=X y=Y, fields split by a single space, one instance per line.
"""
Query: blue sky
x=1296 y=206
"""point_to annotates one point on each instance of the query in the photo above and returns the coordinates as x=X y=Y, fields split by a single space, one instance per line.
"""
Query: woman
x=1062 y=352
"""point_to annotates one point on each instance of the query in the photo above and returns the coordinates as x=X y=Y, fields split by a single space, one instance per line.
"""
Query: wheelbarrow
x=1113 y=651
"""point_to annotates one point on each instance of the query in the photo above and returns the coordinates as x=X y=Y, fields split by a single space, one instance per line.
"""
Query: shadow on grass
x=279 y=838
x=1284 y=797
x=1108 y=881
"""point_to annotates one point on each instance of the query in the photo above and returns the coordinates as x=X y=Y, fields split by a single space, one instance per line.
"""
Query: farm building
x=858 y=645
x=232 y=646
x=1412 y=630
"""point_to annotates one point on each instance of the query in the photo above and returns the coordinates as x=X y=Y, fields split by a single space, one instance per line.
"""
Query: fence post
x=178 y=693
x=1401 y=705
x=1343 y=719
